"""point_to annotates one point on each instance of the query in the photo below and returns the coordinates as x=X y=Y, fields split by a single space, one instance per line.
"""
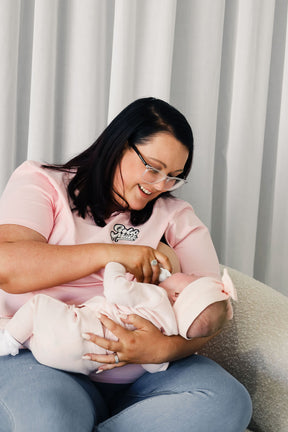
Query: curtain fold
x=69 y=66
x=245 y=116
x=195 y=90
x=142 y=51
x=9 y=45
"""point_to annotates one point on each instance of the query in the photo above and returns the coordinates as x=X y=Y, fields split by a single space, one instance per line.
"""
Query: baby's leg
x=56 y=336
x=39 y=308
x=169 y=252
x=20 y=327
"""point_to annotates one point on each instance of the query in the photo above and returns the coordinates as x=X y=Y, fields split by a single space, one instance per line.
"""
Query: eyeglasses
x=152 y=175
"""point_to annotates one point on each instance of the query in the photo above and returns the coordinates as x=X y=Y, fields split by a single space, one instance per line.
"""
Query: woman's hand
x=145 y=344
x=139 y=260
x=142 y=345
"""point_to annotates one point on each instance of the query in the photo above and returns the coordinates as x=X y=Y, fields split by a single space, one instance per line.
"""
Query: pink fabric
x=37 y=198
x=192 y=297
x=60 y=344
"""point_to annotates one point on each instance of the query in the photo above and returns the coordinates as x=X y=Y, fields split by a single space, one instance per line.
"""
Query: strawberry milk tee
x=37 y=198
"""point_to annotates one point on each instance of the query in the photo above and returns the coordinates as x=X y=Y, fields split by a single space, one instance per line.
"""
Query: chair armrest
x=253 y=347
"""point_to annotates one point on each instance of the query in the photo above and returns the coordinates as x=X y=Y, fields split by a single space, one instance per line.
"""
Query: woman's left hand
x=143 y=345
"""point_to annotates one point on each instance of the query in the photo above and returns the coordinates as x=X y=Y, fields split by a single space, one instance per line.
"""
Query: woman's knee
x=198 y=389
x=237 y=405
x=225 y=398
x=40 y=398
x=191 y=411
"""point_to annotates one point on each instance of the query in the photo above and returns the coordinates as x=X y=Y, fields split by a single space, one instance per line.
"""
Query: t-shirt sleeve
x=192 y=243
x=28 y=200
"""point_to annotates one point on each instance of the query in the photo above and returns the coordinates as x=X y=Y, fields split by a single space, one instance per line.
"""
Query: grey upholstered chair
x=254 y=349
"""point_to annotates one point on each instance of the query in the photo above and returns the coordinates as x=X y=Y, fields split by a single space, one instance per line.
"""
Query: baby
x=53 y=330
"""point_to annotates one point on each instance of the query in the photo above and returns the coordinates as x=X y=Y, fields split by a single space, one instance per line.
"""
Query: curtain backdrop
x=69 y=66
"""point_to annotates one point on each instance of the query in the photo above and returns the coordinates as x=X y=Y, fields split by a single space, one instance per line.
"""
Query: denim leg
x=194 y=394
x=34 y=397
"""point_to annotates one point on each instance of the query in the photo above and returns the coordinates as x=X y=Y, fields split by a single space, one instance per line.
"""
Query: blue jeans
x=194 y=394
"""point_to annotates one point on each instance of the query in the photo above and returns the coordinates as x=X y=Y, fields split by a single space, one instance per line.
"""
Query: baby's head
x=175 y=284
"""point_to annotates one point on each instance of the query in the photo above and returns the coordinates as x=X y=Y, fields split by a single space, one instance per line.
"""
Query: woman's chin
x=138 y=201
x=137 y=205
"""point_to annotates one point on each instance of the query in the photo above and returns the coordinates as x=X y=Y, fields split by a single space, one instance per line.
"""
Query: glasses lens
x=151 y=176
x=176 y=184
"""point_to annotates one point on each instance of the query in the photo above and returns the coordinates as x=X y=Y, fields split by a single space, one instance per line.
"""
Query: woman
x=60 y=226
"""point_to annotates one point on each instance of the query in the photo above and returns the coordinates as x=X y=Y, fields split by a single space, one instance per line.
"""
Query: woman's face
x=163 y=152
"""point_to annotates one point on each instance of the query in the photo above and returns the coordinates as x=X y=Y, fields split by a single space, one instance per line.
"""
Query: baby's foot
x=8 y=345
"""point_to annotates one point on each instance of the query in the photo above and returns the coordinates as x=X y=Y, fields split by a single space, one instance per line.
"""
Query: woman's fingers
x=142 y=261
x=113 y=359
x=149 y=271
x=140 y=345
x=151 y=267
x=110 y=366
x=108 y=344
x=163 y=260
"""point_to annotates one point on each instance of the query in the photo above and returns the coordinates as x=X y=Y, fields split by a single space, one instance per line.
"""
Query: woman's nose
x=159 y=185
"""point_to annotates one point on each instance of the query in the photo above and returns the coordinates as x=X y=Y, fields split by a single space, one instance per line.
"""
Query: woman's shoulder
x=172 y=205
x=34 y=172
x=176 y=213
x=34 y=167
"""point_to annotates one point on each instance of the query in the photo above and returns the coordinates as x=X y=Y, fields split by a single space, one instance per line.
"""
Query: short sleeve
x=28 y=199
x=192 y=243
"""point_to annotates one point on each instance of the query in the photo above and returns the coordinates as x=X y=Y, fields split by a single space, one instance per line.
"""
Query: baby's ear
x=175 y=295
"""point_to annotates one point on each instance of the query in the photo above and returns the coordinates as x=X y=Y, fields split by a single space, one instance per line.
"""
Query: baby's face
x=175 y=284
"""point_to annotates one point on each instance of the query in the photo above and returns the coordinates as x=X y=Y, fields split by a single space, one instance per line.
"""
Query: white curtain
x=69 y=66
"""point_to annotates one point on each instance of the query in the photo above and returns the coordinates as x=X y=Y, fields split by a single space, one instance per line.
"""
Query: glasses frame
x=180 y=181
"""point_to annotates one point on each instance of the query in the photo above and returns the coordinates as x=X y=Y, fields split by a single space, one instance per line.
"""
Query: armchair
x=254 y=349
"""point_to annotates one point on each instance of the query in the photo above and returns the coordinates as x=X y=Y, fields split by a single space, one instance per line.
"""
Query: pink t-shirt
x=37 y=198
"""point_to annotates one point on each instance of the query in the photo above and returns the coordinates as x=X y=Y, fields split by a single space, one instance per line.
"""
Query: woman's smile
x=145 y=191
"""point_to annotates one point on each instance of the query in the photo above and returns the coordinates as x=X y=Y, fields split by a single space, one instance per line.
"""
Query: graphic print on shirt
x=120 y=232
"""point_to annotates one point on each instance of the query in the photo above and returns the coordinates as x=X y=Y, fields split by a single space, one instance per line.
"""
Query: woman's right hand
x=138 y=260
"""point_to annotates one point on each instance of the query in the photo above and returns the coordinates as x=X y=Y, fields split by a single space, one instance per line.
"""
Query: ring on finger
x=154 y=262
x=117 y=360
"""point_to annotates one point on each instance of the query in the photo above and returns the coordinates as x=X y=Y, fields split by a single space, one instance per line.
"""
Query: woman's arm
x=29 y=263
x=146 y=344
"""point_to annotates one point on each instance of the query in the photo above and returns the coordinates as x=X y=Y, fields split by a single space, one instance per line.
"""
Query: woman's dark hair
x=91 y=189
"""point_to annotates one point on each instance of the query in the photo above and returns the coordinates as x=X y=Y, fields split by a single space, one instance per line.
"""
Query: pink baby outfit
x=37 y=198
x=53 y=330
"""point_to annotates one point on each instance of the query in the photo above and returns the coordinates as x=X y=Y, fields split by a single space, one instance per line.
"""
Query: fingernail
x=86 y=357
x=86 y=336
x=98 y=371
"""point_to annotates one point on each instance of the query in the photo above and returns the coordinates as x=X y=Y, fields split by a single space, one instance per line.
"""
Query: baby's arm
x=147 y=300
x=119 y=290
x=210 y=321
